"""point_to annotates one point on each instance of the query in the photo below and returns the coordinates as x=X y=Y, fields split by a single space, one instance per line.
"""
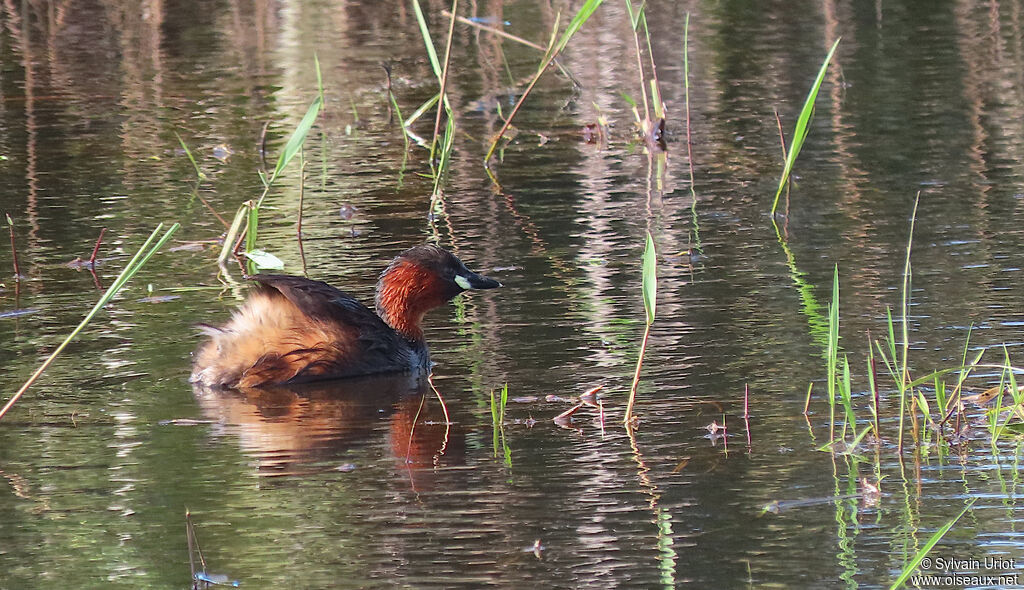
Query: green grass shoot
x=425 y=32
x=249 y=212
x=802 y=126
x=554 y=48
x=295 y=143
x=904 y=305
x=443 y=91
x=649 y=286
x=498 y=405
x=200 y=175
x=146 y=251
x=911 y=567
x=441 y=146
x=832 y=354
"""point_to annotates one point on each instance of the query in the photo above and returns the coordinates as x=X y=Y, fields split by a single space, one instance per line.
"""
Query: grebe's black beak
x=471 y=280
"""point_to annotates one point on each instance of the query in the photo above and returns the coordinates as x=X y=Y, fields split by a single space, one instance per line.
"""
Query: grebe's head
x=418 y=280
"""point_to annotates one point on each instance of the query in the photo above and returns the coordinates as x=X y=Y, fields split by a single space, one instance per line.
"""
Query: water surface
x=363 y=483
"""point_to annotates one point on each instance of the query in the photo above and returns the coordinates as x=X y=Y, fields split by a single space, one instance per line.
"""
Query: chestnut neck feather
x=404 y=294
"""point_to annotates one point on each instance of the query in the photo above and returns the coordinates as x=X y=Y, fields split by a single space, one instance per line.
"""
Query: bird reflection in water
x=313 y=428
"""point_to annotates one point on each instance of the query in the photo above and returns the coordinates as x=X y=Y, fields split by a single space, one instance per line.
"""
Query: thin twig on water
x=96 y=249
x=444 y=408
x=746 y=411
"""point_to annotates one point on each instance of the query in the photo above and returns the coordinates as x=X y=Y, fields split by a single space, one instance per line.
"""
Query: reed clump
x=938 y=398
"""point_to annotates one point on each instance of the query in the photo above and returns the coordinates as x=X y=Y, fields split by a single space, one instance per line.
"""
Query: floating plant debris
x=15 y=313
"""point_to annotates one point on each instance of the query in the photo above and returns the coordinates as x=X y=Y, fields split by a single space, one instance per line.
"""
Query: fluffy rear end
x=269 y=340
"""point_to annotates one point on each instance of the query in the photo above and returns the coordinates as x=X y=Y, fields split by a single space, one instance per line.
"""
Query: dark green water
x=361 y=483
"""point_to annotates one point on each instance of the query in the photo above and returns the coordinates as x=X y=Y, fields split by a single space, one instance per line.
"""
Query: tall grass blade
x=650 y=279
x=504 y=403
x=146 y=251
x=252 y=223
x=935 y=538
x=802 y=126
x=649 y=286
x=634 y=21
x=191 y=158
x=443 y=81
x=904 y=305
x=659 y=105
x=577 y=21
x=846 y=396
x=233 y=232
x=291 y=149
x=319 y=81
x=425 y=32
x=832 y=353
x=426 y=106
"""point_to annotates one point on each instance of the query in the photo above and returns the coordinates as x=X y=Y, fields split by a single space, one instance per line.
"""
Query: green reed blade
x=320 y=81
x=650 y=279
x=291 y=149
x=940 y=396
x=846 y=396
x=199 y=173
x=832 y=353
x=649 y=286
x=425 y=32
x=134 y=265
x=554 y=49
x=802 y=126
x=577 y=21
x=251 y=226
x=504 y=403
x=935 y=538
x=426 y=106
x=494 y=409
x=233 y=232
x=904 y=305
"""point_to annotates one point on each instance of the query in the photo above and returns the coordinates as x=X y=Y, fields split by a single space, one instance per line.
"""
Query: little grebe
x=294 y=329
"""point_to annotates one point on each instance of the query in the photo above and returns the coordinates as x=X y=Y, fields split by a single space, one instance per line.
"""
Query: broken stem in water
x=96 y=249
x=636 y=376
